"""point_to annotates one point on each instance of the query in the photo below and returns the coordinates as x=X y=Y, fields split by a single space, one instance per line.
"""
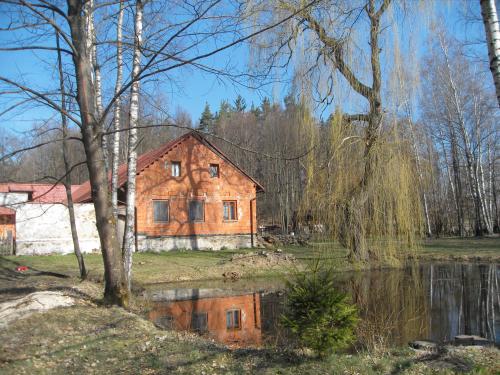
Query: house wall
x=180 y=314
x=156 y=182
x=7 y=199
x=45 y=229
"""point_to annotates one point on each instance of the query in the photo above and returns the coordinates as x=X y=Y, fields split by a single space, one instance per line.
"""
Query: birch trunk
x=92 y=45
x=115 y=155
x=67 y=168
x=129 y=237
x=114 y=290
x=492 y=29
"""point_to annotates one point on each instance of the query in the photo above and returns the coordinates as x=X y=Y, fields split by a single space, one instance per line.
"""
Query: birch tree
x=129 y=237
x=115 y=155
x=492 y=29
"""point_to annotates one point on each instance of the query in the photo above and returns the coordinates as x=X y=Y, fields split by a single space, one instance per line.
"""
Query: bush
x=320 y=317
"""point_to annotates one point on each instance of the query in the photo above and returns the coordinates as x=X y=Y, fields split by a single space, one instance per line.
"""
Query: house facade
x=189 y=195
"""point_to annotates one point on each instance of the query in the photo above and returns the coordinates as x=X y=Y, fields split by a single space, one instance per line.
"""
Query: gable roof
x=83 y=194
x=40 y=193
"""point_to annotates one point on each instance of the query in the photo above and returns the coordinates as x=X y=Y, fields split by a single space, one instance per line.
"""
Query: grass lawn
x=175 y=266
x=483 y=247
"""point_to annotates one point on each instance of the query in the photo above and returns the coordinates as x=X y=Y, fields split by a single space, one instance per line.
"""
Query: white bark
x=115 y=155
x=91 y=44
x=129 y=237
x=492 y=28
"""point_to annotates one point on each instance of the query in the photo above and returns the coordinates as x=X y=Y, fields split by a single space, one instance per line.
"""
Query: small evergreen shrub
x=320 y=317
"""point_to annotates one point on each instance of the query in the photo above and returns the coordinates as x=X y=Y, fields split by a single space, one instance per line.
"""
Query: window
x=176 y=168
x=214 y=170
x=196 y=210
x=230 y=210
x=199 y=322
x=160 y=211
x=233 y=319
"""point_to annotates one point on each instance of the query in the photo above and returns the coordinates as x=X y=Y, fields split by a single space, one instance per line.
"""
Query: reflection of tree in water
x=392 y=307
x=464 y=300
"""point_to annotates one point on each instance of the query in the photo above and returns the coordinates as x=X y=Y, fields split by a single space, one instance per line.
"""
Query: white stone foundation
x=198 y=242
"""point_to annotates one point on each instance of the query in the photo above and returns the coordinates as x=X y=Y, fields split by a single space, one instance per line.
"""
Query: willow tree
x=371 y=196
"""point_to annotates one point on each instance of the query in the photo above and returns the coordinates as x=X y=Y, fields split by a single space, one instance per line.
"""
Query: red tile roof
x=83 y=194
x=4 y=211
x=40 y=193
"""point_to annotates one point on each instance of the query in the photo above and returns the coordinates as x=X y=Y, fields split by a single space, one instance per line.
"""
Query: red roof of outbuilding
x=4 y=211
x=83 y=194
x=40 y=193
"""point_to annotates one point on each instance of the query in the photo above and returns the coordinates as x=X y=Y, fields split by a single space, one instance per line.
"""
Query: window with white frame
x=176 y=168
x=230 y=210
x=214 y=170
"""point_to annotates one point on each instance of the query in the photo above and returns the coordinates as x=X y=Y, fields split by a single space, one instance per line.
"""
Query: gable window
x=214 y=170
x=160 y=211
x=199 y=322
x=230 y=210
x=233 y=319
x=196 y=210
x=176 y=168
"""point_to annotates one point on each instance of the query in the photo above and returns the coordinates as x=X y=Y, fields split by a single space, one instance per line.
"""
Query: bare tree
x=67 y=167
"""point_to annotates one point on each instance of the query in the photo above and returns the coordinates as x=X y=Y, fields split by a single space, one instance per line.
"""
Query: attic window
x=214 y=170
x=176 y=168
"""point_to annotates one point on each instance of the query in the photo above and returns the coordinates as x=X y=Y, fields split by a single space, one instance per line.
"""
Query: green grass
x=175 y=266
x=453 y=247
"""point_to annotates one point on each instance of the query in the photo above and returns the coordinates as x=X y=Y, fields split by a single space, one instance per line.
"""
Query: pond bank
x=88 y=338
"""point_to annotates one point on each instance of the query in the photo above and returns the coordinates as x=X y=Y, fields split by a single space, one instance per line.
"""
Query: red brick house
x=189 y=196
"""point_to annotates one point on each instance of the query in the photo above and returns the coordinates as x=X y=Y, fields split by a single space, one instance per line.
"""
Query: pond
x=430 y=301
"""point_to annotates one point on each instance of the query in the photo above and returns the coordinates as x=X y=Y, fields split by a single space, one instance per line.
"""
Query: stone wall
x=198 y=242
x=45 y=229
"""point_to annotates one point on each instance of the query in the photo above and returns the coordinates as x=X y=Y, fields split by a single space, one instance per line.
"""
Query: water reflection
x=432 y=301
x=233 y=320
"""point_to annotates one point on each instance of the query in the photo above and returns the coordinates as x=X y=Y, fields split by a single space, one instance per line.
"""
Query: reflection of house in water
x=233 y=320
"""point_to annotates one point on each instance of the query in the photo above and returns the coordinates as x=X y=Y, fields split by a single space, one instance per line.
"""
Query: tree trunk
x=492 y=29
x=129 y=237
x=67 y=168
x=117 y=112
x=115 y=291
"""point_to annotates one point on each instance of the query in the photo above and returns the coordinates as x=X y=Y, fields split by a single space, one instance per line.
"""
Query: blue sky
x=196 y=88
